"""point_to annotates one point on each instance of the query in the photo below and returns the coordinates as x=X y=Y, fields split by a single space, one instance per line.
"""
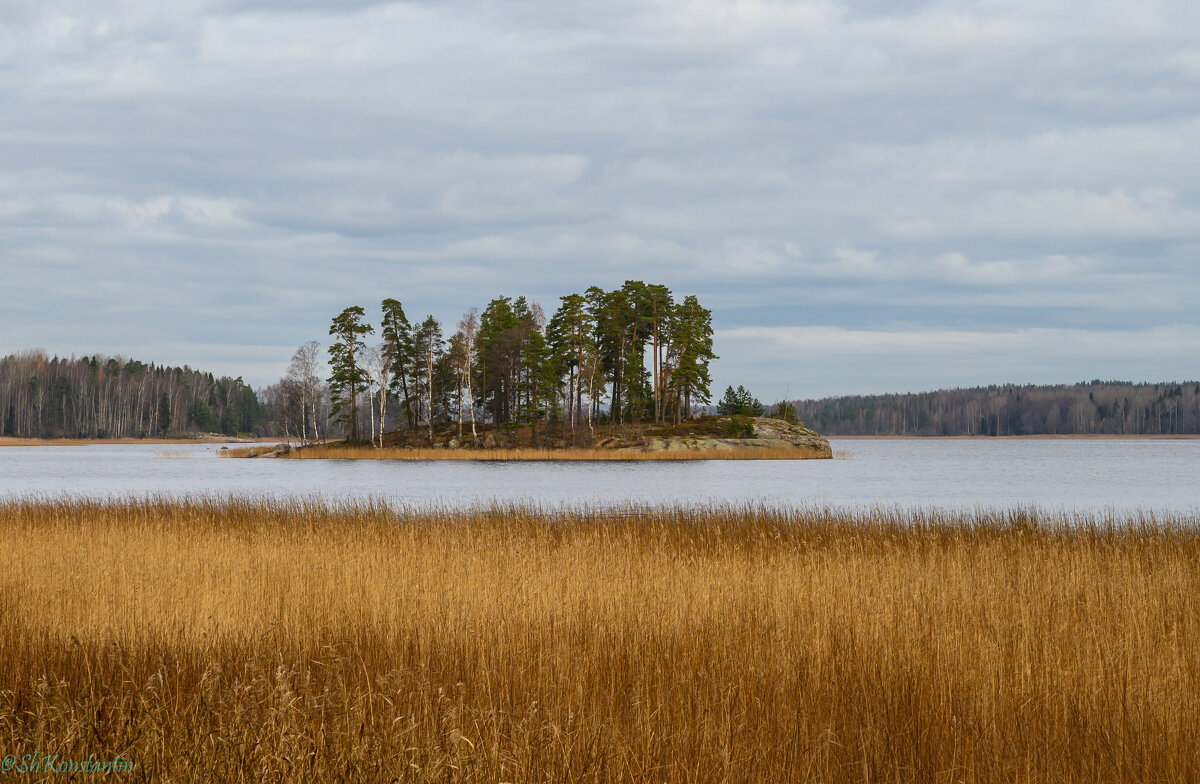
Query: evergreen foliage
x=347 y=377
x=399 y=350
x=740 y=427
x=164 y=414
x=634 y=348
x=739 y=402
x=785 y=411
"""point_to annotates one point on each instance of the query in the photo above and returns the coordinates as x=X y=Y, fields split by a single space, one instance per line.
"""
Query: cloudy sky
x=872 y=196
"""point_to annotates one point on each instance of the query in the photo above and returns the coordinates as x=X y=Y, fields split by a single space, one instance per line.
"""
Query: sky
x=871 y=196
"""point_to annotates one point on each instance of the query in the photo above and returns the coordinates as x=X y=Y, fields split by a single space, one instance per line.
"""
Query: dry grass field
x=260 y=641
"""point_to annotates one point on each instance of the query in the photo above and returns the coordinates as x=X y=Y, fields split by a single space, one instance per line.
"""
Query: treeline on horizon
x=1087 y=408
x=112 y=397
x=633 y=354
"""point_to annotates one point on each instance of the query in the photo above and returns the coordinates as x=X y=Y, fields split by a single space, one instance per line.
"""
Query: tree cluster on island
x=739 y=404
x=629 y=355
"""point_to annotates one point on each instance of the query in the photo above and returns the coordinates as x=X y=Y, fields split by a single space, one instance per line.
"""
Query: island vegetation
x=298 y=641
x=734 y=437
x=627 y=356
x=620 y=374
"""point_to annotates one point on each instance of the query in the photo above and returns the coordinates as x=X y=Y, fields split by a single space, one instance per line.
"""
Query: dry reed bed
x=271 y=641
x=527 y=454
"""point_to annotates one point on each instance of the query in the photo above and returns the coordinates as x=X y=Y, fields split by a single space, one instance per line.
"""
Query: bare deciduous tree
x=303 y=373
x=468 y=327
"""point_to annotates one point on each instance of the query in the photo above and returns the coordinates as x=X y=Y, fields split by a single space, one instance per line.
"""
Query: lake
x=1074 y=475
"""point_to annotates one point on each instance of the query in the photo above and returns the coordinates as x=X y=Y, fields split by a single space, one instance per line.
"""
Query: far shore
x=10 y=441
x=1044 y=437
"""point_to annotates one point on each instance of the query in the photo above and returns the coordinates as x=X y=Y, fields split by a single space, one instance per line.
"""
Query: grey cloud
x=798 y=165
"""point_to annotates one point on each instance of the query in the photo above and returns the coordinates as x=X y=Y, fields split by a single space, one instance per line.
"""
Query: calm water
x=1075 y=475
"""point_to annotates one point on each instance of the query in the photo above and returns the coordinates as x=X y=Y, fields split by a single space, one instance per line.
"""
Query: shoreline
x=426 y=454
x=10 y=441
x=13 y=441
x=1043 y=437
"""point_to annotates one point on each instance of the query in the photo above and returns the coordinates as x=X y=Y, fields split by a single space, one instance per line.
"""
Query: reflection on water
x=1086 y=475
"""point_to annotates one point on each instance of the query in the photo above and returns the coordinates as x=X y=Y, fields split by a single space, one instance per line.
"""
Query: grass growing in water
x=305 y=642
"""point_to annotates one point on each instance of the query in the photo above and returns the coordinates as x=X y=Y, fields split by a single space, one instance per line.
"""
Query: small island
x=610 y=375
x=718 y=437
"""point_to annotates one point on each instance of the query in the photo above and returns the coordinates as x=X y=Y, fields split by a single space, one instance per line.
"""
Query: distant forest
x=1088 y=408
x=108 y=397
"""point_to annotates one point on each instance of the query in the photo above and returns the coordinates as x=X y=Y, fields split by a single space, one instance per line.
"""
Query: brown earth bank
x=207 y=438
x=703 y=438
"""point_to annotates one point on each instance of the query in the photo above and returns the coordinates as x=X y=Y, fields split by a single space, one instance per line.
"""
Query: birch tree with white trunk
x=468 y=327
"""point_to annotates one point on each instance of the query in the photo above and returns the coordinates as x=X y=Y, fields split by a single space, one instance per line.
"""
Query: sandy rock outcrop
x=768 y=434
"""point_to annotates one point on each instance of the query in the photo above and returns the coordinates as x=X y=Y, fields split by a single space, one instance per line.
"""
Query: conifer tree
x=429 y=353
x=692 y=343
x=164 y=414
x=571 y=335
x=399 y=352
x=785 y=411
x=348 y=377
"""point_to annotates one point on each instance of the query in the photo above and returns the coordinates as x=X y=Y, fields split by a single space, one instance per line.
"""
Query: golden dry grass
x=264 y=641
x=500 y=455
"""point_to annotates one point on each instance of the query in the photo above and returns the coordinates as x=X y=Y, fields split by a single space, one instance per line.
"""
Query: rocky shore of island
x=728 y=436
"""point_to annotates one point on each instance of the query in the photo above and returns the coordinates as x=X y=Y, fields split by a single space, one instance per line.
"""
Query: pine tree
x=347 y=377
x=692 y=343
x=164 y=414
x=748 y=404
x=498 y=356
x=729 y=403
x=739 y=403
x=658 y=310
x=429 y=353
x=400 y=352
x=785 y=411
x=571 y=336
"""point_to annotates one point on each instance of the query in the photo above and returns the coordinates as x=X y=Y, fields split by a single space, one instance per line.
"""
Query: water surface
x=1076 y=475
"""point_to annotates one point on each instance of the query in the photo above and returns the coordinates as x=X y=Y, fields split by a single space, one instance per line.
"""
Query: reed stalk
x=305 y=641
